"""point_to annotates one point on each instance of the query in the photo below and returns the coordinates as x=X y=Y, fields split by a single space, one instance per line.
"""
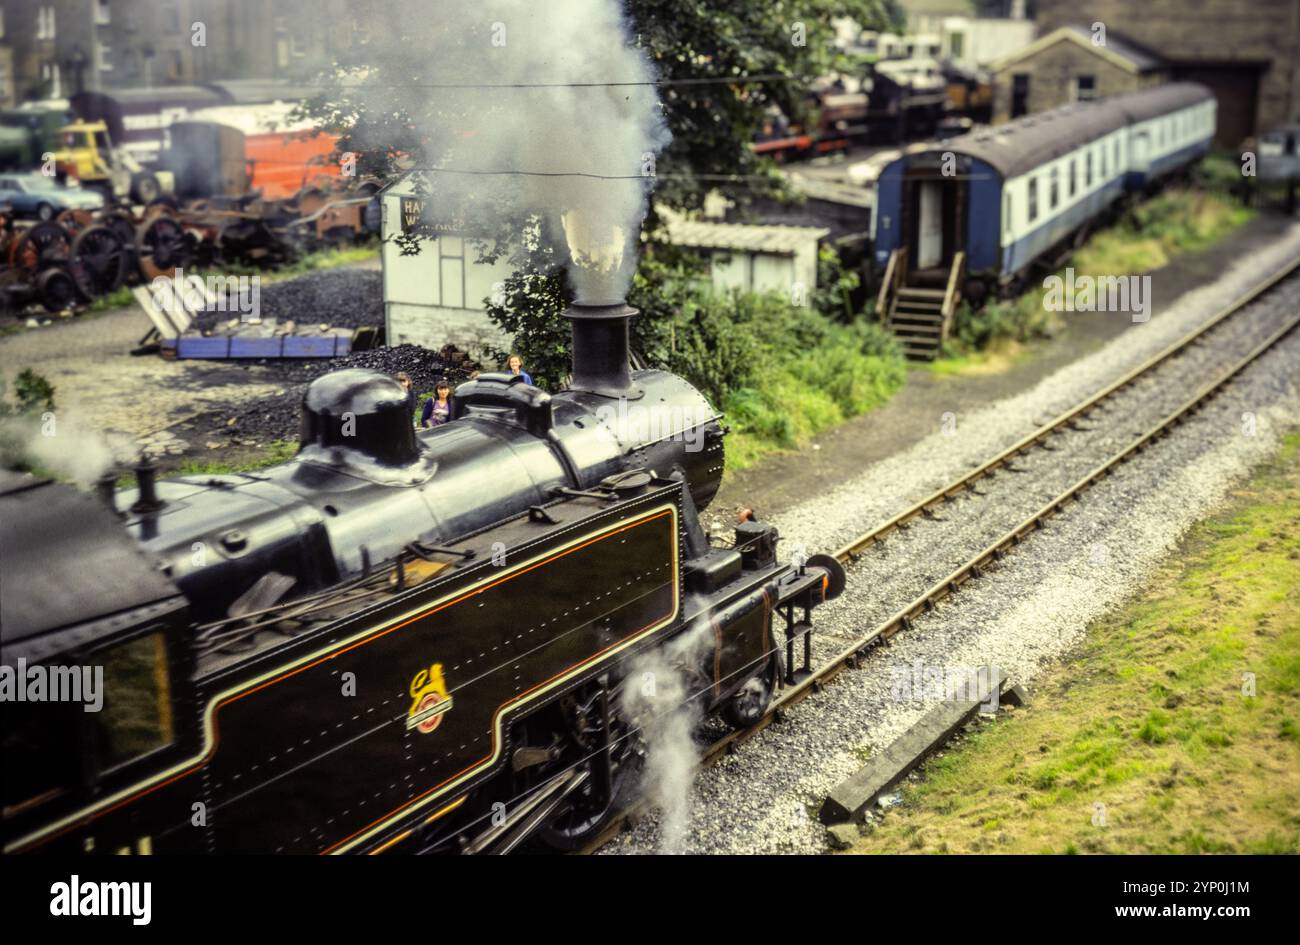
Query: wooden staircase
x=920 y=318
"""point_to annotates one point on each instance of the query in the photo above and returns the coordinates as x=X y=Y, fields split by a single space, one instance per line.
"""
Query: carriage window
x=1103 y=162
x=1087 y=169
x=1033 y=199
x=1006 y=213
x=137 y=714
x=1074 y=176
x=1053 y=188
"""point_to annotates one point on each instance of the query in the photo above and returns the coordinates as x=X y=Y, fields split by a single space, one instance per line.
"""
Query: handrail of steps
x=952 y=295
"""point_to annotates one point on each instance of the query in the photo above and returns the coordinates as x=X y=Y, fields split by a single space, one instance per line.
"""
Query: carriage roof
x=1021 y=145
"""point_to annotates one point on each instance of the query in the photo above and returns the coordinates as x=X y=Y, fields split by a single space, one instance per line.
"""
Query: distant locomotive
x=397 y=640
x=1006 y=196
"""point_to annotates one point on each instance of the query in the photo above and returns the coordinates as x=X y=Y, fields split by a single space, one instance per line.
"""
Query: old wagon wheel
x=44 y=245
x=123 y=223
x=161 y=246
x=99 y=260
x=56 y=289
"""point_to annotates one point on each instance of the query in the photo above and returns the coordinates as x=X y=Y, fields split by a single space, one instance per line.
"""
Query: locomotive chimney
x=146 y=476
x=600 y=348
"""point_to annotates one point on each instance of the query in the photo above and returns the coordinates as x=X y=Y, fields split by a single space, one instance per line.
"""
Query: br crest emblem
x=430 y=700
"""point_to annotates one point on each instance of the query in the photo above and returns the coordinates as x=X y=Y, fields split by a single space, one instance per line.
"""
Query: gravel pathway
x=1034 y=608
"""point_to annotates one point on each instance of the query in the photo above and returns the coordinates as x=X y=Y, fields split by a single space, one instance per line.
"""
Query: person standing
x=412 y=401
x=437 y=409
x=516 y=365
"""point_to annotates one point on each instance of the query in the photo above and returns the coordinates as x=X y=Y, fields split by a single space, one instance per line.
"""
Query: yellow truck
x=89 y=154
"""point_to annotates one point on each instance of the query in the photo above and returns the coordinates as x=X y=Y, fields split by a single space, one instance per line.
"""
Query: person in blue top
x=437 y=409
x=516 y=365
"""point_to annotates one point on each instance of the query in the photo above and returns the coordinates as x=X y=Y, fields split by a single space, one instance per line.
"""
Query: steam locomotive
x=398 y=640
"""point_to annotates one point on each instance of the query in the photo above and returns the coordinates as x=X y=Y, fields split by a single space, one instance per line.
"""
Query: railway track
x=1133 y=399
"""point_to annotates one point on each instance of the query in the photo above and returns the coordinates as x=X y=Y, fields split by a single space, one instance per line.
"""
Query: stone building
x=1071 y=64
x=1248 y=53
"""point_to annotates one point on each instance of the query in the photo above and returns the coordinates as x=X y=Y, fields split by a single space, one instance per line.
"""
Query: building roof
x=743 y=237
x=1125 y=53
x=1023 y=144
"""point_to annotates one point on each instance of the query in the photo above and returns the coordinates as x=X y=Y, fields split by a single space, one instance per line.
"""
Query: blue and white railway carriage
x=1007 y=195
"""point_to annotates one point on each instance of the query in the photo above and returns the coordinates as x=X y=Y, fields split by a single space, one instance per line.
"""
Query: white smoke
x=55 y=443
x=496 y=54
x=662 y=697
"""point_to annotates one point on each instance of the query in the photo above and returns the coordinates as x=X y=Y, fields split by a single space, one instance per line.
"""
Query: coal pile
x=277 y=417
x=339 y=298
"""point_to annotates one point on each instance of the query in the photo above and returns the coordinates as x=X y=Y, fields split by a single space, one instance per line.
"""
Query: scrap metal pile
x=82 y=255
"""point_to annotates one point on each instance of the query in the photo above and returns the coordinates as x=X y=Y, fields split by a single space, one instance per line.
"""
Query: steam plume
x=661 y=698
x=577 y=124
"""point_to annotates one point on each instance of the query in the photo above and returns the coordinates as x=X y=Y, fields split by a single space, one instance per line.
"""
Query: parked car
x=35 y=195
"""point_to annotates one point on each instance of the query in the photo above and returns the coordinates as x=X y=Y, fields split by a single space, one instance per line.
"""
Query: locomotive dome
x=360 y=410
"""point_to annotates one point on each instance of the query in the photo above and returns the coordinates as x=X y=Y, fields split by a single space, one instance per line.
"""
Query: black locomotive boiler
x=398 y=640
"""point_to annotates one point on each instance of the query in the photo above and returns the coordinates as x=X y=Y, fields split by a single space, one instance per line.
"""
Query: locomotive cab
x=95 y=661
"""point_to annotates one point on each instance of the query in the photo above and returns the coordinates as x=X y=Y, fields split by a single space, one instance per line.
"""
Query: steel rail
x=995 y=552
x=849 y=552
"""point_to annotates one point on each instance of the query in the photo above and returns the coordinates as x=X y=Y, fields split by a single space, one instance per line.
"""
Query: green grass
x=1154 y=718
x=274 y=453
x=309 y=262
x=808 y=390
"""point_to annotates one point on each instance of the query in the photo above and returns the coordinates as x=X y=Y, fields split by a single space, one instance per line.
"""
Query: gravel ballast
x=1035 y=607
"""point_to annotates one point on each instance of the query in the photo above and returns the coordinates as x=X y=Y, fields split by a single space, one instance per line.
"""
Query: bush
x=33 y=393
x=779 y=371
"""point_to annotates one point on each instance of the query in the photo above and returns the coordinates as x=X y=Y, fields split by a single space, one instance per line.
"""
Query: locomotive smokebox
x=600 y=348
x=363 y=412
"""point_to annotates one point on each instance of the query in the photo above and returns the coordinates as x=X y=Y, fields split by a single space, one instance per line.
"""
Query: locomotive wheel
x=749 y=703
x=44 y=245
x=99 y=260
x=590 y=808
x=161 y=247
x=57 y=290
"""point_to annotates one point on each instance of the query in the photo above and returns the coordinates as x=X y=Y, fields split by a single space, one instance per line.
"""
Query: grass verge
x=1176 y=729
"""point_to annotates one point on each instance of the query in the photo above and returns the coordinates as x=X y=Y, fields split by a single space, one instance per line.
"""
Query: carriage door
x=1138 y=159
x=929 y=244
